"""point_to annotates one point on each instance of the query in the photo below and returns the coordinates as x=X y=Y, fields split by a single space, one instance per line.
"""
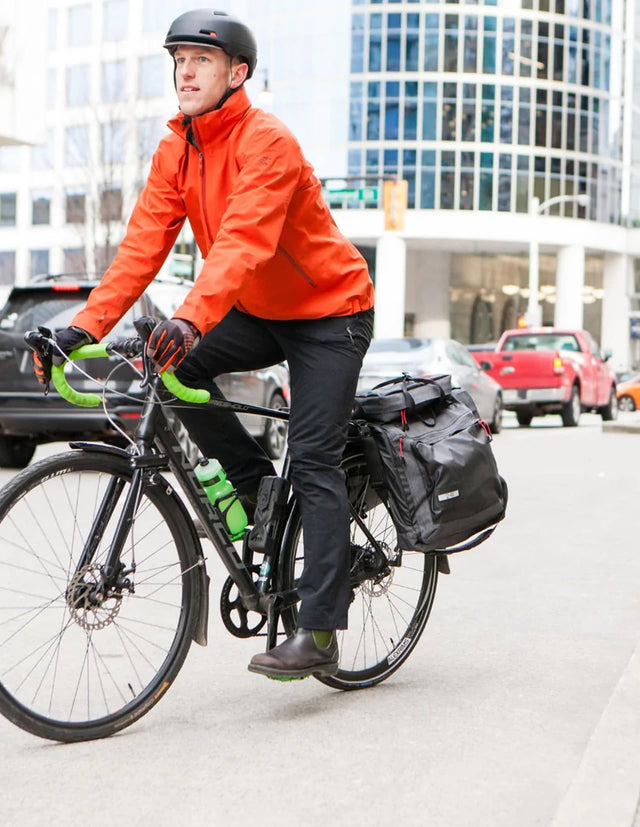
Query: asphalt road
x=520 y=706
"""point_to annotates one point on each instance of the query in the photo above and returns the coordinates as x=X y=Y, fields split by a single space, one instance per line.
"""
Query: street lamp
x=532 y=316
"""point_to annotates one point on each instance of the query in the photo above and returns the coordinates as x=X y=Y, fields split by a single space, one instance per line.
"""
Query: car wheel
x=16 y=451
x=609 y=411
x=626 y=403
x=571 y=411
x=274 y=438
x=496 y=422
x=524 y=418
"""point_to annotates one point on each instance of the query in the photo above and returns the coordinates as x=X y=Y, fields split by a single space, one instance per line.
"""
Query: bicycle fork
x=113 y=575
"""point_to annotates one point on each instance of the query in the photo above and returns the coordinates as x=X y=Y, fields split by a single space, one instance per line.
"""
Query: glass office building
x=479 y=106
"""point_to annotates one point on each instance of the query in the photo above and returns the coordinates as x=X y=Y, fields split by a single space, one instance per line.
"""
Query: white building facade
x=482 y=107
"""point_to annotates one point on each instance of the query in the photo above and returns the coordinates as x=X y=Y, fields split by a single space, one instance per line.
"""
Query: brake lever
x=144 y=327
x=39 y=341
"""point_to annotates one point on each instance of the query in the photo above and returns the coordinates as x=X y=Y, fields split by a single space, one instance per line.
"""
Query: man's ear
x=239 y=75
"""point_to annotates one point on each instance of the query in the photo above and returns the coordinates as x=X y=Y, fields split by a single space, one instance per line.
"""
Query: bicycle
x=104 y=583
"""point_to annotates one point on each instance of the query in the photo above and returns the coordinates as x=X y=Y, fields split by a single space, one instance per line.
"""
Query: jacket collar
x=214 y=125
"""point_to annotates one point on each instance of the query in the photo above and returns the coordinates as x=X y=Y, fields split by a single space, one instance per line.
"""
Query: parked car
x=28 y=418
x=549 y=370
x=628 y=393
x=388 y=358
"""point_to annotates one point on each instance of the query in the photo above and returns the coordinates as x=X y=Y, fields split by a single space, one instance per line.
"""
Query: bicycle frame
x=159 y=447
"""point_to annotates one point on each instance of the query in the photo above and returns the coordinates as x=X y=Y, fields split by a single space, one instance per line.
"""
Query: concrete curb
x=606 y=787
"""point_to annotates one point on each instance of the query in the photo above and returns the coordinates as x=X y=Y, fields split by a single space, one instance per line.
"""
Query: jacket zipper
x=295 y=264
x=203 y=181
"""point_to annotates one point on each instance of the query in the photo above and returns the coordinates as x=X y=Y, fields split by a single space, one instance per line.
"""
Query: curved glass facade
x=483 y=105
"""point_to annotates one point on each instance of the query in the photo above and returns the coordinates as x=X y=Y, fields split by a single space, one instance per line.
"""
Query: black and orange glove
x=66 y=340
x=171 y=341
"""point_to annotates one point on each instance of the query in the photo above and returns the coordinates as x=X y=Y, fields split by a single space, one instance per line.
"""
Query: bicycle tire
x=71 y=672
x=387 y=616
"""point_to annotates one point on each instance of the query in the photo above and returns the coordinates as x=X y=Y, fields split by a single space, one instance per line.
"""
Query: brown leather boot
x=298 y=657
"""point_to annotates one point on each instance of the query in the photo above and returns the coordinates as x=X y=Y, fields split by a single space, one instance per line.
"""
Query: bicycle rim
x=389 y=611
x=71 y=670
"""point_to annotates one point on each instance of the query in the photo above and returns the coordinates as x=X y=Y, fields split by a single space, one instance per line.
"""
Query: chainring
x=235 y=616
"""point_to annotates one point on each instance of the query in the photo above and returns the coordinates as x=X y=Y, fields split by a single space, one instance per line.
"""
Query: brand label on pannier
x=450 y=495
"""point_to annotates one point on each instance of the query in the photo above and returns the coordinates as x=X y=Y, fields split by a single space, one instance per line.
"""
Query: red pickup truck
x=550 y=370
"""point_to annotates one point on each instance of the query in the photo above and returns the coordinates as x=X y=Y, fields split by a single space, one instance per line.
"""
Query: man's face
x=203 y=75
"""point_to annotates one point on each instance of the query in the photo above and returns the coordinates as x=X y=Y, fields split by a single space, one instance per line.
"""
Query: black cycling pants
x=324 y=357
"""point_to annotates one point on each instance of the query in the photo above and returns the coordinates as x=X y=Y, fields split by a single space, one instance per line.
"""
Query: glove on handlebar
x=170 y=342
x=67 y=339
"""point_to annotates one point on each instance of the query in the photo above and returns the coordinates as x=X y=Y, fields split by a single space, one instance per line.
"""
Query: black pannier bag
x=430 y=458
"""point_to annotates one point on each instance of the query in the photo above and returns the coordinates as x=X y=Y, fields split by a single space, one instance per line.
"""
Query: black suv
x=28 y=418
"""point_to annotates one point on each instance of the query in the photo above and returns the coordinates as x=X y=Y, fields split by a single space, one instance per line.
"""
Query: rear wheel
x=78 y=661
x=496 y=422
x=524 y=418
x=392 y=590
x=274 y=438
x=609 y=412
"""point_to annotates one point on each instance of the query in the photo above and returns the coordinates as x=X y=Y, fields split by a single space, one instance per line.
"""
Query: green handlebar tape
x=173 y=384
x=84 y=400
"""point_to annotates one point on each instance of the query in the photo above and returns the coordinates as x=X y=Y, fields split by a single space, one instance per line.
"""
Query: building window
x=41 y=207
x=373 y=111
x=392 y=110
x=7 y=266
x=150 y=131
x=375 y=43
x=152 y=73
x=75 y=206
x=104 y=257
x=357 y=43
x=394 y=37
x=52 y=87
x=429 y=111
x=111 y=204
x=74 y=262
x=77 y=85
x=42 y=155
x=52 y=29
x=79 y=25
x=39 y=263
x=431 y=41
x=76 y=151
x=115 y=19
x=114 y=80
x=113 y=142
x=7 y=209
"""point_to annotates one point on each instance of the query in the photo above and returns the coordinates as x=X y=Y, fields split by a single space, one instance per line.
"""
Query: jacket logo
x=263 y=160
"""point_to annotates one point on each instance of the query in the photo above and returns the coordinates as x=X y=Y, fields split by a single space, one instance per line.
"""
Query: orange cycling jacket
x=269 y=243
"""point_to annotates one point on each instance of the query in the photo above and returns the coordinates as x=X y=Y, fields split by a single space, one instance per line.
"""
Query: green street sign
x=357 y=194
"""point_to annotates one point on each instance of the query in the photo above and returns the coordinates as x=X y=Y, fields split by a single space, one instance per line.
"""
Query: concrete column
x=391 y=266
x=569 y=285
x=615 y=309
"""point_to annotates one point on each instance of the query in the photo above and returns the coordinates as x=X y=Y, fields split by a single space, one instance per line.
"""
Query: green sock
x=322 y=637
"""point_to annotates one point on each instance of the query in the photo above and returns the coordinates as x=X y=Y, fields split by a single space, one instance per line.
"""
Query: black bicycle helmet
x=214 y=28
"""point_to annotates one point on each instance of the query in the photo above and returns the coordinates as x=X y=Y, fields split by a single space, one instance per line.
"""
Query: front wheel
x=392 y=590
x=626 y=403
x=571 y=411
x=79 y=661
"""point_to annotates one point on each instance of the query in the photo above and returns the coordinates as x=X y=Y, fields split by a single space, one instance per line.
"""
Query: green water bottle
x=222 y=495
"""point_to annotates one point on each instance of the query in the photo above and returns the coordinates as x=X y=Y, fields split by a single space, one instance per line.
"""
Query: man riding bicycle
x=279 y=281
